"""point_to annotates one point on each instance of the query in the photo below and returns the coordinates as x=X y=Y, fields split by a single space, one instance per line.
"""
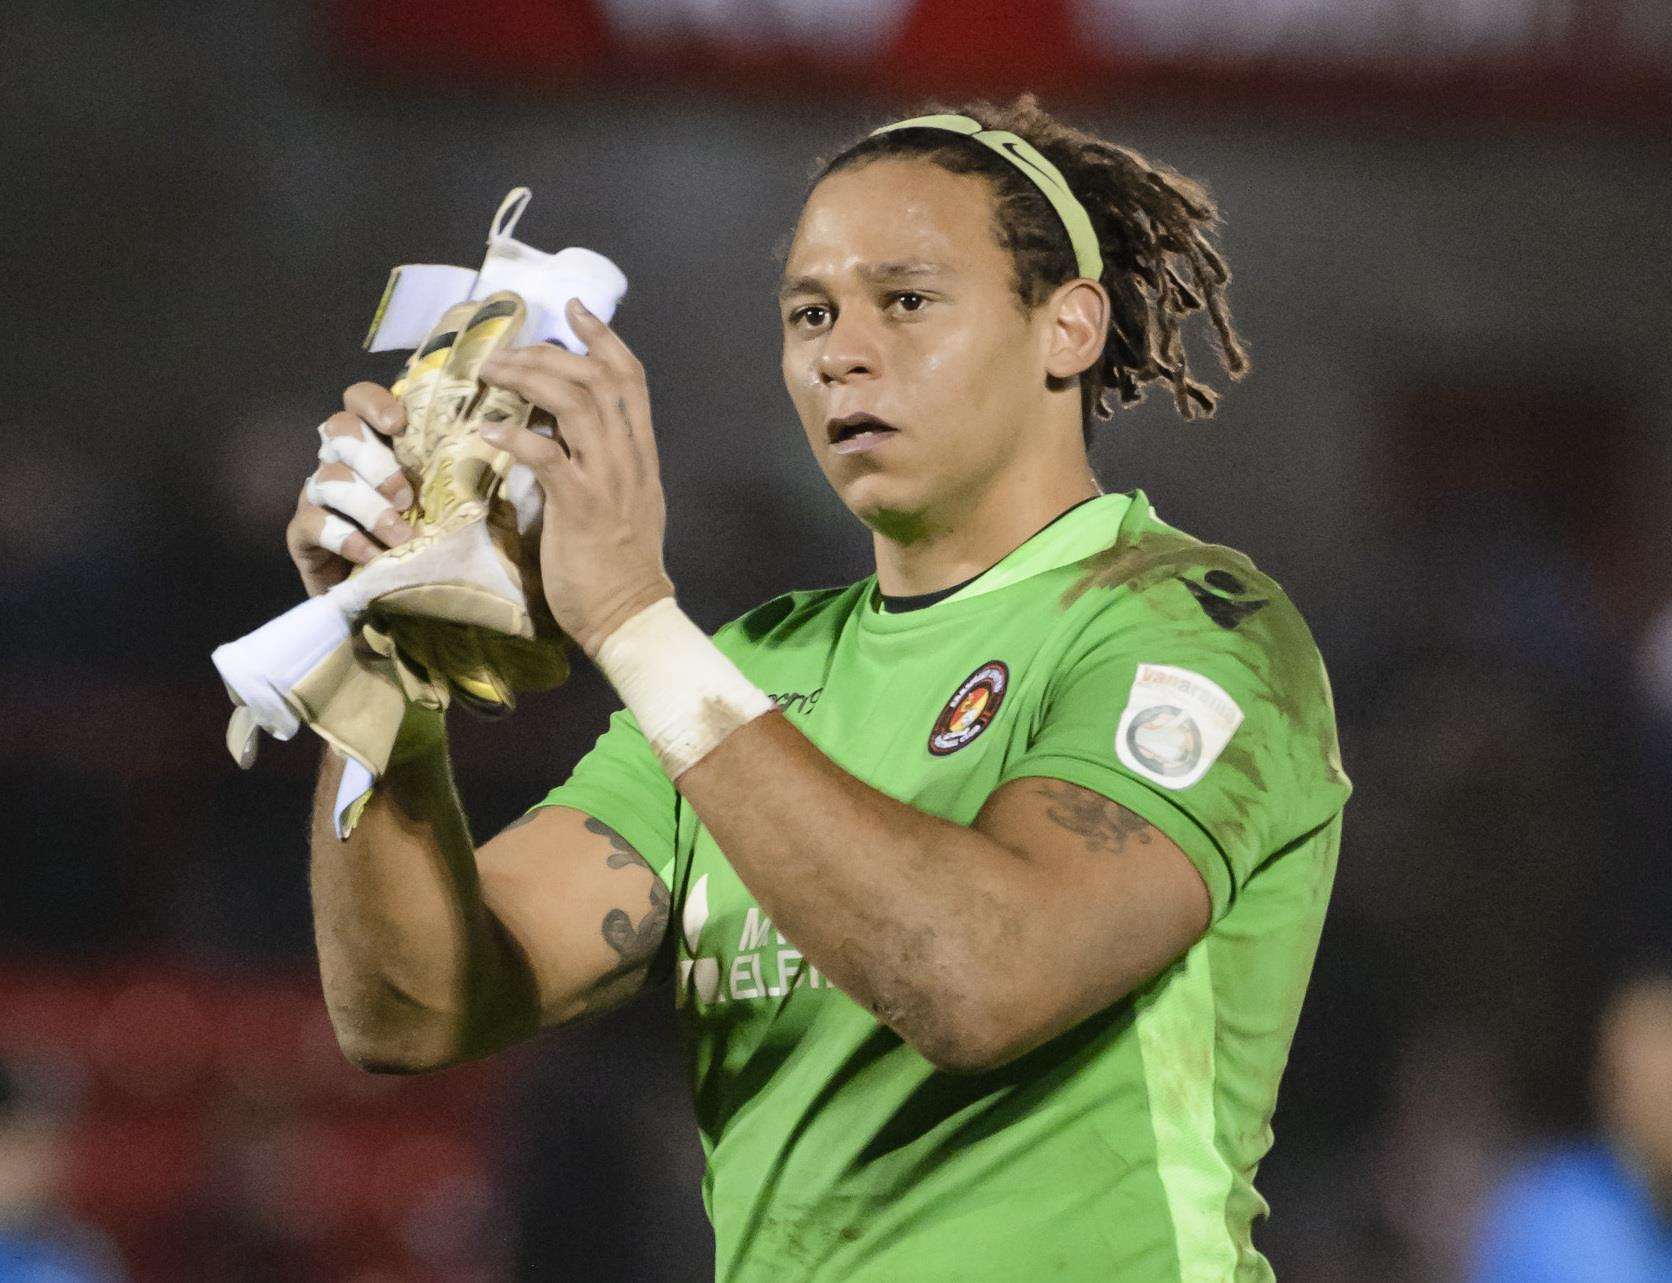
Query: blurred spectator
x=1600 y=1211
x=39 y=1241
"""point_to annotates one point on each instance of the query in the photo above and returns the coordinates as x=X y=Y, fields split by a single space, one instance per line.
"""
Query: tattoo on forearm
x=635 y=944
x=1106 y=826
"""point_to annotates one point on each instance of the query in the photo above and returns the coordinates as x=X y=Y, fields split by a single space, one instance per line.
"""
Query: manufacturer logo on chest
x=972 y=707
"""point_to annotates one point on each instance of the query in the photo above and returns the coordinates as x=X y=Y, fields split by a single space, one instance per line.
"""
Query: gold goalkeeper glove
x=457 y=610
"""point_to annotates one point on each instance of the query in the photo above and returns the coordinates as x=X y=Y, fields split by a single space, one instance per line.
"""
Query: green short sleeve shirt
x=1111 y=651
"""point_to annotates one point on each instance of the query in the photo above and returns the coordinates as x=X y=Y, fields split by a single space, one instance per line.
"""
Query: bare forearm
x=901 y=909
x=416 y=971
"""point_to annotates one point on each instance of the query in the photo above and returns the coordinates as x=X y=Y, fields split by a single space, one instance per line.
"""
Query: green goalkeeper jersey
x=1109 y=650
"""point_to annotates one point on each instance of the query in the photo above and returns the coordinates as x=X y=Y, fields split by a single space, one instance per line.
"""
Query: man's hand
x=605 y=515
x=350 y=510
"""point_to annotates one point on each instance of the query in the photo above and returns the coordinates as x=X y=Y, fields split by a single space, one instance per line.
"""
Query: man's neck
x=981 y=536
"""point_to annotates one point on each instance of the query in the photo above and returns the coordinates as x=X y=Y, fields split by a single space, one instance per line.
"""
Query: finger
x=328 y=530
x=346 y=540
x=630 y=402
x=557 y=385
x=611 y=387
x=544 y=457
x=377 y=406
x=543 y=358
x=346 y=439
x=602 y=342
x=625 y=401
x=334 y=486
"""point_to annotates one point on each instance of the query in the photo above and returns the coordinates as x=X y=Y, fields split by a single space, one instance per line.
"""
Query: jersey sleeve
x=621 y=783
x=1221 y=738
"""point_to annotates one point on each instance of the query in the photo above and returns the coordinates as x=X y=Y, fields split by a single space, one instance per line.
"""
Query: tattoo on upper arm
x=635 y=944
x=1105 y=825
x=521 y=820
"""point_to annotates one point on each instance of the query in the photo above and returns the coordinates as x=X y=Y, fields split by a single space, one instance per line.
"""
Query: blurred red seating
x=125 y=1170
x=159 y=1034
x=196 y=1098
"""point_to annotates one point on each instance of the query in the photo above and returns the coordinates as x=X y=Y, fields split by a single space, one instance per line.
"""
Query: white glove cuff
x=686 y=695
x=261 y=668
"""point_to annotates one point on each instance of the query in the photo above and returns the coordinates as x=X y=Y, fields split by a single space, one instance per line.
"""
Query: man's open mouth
x=850 y=427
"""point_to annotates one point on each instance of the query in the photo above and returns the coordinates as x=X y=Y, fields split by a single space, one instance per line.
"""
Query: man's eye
x=908 y=301
x=812 y=315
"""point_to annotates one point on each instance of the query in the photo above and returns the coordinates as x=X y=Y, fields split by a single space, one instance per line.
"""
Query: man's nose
x=850 y=348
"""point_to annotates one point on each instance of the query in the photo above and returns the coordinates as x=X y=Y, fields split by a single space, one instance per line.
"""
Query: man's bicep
x=583 y=906
x=1121 y=900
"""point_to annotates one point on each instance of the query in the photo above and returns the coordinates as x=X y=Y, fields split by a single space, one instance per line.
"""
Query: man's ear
x=1079 y=325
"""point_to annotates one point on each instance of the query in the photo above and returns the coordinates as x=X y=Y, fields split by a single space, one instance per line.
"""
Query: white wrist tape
x=686 y=695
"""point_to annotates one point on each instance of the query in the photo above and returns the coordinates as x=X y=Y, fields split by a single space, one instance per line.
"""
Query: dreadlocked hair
x=1153 y=227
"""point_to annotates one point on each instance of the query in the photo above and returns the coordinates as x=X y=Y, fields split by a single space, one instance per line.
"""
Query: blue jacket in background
x=1574 y=1215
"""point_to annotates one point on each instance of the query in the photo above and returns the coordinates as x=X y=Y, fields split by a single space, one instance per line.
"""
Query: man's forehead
x=889 y=212
x=883 y=231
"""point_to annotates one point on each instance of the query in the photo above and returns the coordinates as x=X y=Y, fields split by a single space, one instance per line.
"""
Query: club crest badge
x=972 y=707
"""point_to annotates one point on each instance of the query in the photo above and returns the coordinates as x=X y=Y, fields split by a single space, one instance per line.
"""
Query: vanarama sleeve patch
x=1174 y=726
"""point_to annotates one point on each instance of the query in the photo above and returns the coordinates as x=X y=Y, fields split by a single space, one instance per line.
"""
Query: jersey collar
x=1087 y=529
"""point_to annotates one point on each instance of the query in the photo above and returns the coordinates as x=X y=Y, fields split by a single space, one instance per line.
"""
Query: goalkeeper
x=989 y=886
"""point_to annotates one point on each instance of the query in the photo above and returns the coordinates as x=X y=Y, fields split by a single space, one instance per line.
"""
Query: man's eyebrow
x=875 y=272
x=895 y=271
x=799 y=285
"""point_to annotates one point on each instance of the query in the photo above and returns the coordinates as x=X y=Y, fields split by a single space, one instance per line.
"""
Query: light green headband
x=1040 y=172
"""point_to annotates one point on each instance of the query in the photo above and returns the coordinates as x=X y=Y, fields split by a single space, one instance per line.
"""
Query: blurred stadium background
x=1448 y=225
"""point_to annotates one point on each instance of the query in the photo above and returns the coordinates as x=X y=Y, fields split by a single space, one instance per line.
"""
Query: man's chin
x=889 y=508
